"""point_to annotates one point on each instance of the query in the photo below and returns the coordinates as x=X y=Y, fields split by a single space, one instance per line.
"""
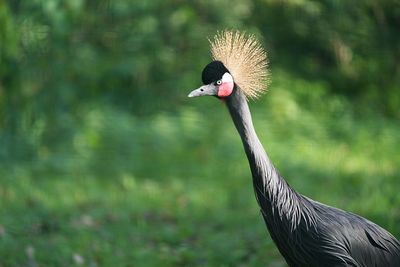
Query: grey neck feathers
x=279 y=203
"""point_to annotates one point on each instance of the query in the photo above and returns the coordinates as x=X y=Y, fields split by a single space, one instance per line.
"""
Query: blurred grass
x=174 y=189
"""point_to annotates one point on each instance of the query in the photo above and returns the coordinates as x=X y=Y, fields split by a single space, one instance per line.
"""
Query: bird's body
x=306 y=232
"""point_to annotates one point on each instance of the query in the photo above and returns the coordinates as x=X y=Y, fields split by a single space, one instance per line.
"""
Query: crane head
x=217 y=81
x=239 y=59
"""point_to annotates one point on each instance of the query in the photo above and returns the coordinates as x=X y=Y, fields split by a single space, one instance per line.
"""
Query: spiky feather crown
x=245 y=59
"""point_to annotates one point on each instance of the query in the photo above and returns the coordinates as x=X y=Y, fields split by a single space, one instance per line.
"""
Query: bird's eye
x=219 y=82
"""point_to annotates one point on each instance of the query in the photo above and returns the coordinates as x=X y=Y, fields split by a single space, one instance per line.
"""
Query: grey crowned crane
x=306 y=232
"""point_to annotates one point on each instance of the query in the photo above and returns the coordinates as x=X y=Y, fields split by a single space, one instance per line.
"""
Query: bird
x=306 y=232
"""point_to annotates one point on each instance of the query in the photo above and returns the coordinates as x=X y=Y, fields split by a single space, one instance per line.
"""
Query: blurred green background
x=106 y=162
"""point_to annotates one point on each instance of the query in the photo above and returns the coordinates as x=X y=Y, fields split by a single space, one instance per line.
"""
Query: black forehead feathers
x=213 y=72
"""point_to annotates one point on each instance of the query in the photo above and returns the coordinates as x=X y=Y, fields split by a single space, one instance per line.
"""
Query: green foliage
x=351 y=45
x=166 y=191
x=105 y=162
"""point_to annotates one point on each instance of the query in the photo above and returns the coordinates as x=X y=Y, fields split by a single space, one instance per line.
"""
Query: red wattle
x=225 y=89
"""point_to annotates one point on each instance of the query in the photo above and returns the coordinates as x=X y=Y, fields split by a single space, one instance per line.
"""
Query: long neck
x=274 y=195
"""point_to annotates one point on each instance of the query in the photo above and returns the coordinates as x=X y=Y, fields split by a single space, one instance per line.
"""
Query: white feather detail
x=226 y=78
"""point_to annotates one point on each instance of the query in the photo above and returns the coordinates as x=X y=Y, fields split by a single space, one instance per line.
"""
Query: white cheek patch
x=226 y=87
x=227 y=78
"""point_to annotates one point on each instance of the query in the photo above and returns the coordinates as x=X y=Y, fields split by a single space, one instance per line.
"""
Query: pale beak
x=209 y=89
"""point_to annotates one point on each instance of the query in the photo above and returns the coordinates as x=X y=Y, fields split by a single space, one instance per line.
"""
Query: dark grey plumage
x=306 y=232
